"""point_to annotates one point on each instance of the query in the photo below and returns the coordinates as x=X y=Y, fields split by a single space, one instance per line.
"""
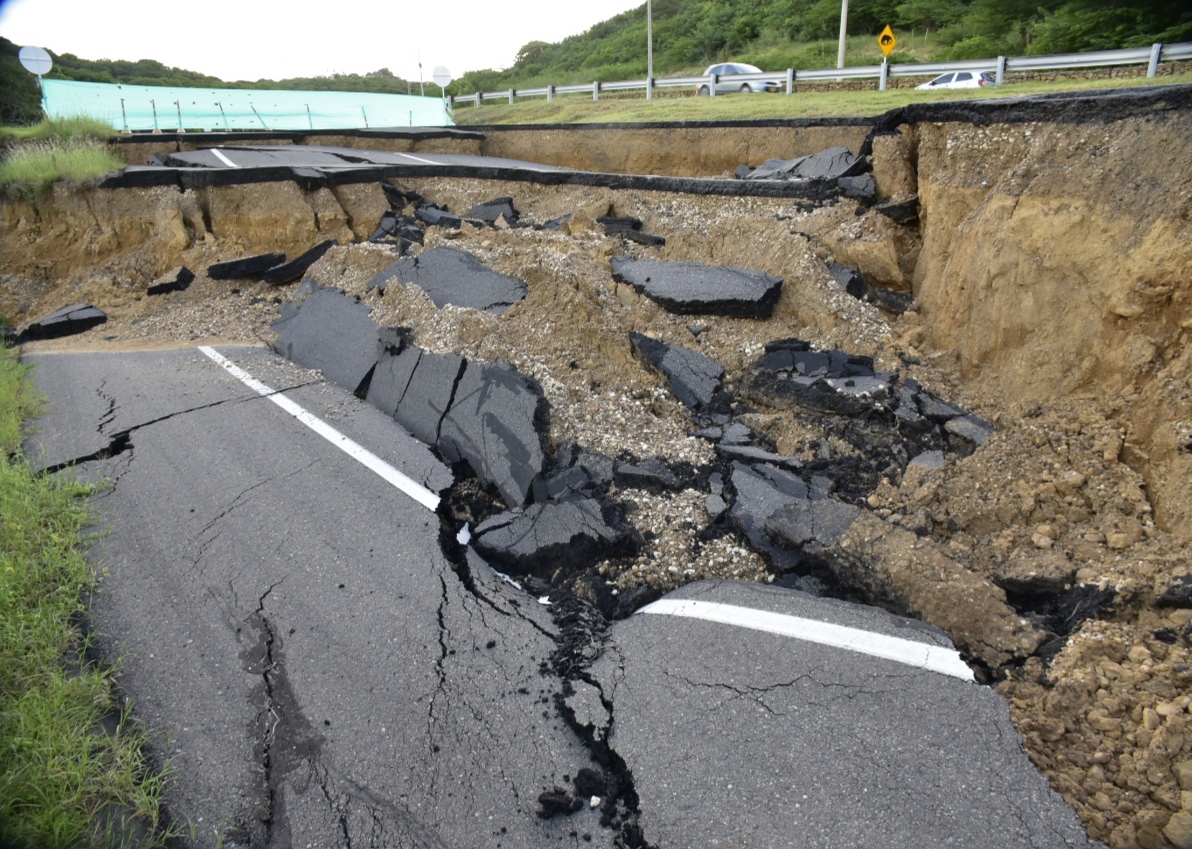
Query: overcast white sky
x=254 y=39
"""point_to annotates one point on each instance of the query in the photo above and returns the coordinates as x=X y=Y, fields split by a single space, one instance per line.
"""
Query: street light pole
x=843 y=32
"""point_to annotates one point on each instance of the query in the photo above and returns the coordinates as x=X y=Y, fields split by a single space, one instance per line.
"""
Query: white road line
x=358 y=452
x=420 y=159
x=921 y=655
x=220 y=155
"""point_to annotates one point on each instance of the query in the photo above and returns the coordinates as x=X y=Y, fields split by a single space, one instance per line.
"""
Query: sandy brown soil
x=1082 y=485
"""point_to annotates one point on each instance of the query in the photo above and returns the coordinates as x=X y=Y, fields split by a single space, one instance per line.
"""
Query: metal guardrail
x=1151 y=56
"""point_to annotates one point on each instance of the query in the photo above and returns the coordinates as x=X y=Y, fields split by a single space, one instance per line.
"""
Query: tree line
x=20 y=100
x=773 y=34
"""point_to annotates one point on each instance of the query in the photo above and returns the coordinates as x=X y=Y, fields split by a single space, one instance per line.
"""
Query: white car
x=725 y=84
x=960 y=79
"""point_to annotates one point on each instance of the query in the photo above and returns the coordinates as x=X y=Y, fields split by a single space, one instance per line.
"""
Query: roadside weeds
x=73 y=771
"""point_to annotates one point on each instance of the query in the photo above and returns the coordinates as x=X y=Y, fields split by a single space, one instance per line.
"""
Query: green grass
x=804 y=103
x=71 y=149
x=59 y=130
x=31 y=167
x=72 y=768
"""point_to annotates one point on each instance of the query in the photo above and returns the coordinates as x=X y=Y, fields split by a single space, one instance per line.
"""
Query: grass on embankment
x=65 y=779
x=632 y=107
x=69 y=149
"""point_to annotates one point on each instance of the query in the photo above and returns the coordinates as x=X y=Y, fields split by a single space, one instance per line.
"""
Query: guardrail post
x=1001 y=70
x=510 y=97
x=881 y=84
x=550 y=94
x=1153 y=67
x=478 y=98
x=712 y=88
x=596 y=90
x=649 y=88
x=790 y=80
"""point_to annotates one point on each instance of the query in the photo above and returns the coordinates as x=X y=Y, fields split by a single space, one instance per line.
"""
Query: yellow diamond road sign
x=887 y=41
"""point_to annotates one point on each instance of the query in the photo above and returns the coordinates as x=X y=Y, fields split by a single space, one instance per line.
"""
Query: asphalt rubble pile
x=548 y=512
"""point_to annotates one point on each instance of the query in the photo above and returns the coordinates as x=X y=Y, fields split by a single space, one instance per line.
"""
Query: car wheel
x=745 y=88
x=703 y=91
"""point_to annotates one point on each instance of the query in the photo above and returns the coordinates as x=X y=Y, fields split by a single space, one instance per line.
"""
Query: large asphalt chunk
x=761 y=491
x=571 y=532
x=850 y=280
x=496 y=423
x=289 y=271
x=67 y=321
x=245 y=267
x=695 y=378
x=830 y=164
x=332 y=333
x=177 y=279
x=452 y=276
x=689 y=288
x=492 y=210
x=428 y=393
x=817 y=523
x=396 y=361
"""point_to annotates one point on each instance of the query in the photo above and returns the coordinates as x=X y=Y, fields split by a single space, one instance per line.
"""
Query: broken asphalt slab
x=246 y=267
x=67 y=321
x=567 y=533
x=332 y=333
x=831 y=164
x=486 y=414
x=454 y=276
x=813 y=739
x=690 y=288
x=288 y=272
x=497 y=423
x=325 y=165
x=694 y=378
x=177 y=279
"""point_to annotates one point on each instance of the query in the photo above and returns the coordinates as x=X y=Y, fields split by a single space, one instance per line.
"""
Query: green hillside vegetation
x=779 y=34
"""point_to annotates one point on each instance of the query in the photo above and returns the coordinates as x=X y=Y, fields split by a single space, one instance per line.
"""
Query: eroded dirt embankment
x=1050 y=264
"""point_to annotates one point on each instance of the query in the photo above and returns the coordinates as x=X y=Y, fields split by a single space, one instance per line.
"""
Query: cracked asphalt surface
x=323 y=666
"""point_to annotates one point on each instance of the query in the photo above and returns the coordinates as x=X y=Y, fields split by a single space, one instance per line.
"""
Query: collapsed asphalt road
x=325 y=665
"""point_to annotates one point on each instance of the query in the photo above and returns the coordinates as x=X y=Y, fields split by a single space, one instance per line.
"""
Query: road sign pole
x=885 y=71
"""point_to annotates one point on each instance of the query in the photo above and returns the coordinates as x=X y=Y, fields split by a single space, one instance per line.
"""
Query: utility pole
x=843 y=32
x=649 y=39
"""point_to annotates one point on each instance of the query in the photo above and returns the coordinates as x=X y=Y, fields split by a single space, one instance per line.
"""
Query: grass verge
x=31 y=167
x=70 y=776
x=667 y=105
x=67 y=149
x=58 y=130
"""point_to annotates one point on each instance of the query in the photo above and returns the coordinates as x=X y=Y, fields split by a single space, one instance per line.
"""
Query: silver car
x=960 y=79
x=727 y=84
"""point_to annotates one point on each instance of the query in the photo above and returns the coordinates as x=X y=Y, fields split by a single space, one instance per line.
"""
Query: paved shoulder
x=745 y=724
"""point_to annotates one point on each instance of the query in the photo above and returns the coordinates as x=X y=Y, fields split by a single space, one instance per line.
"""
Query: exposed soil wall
x=678 y=150
x=1056 y=262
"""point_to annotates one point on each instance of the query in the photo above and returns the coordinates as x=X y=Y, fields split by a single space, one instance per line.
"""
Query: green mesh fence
x=140 y=108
